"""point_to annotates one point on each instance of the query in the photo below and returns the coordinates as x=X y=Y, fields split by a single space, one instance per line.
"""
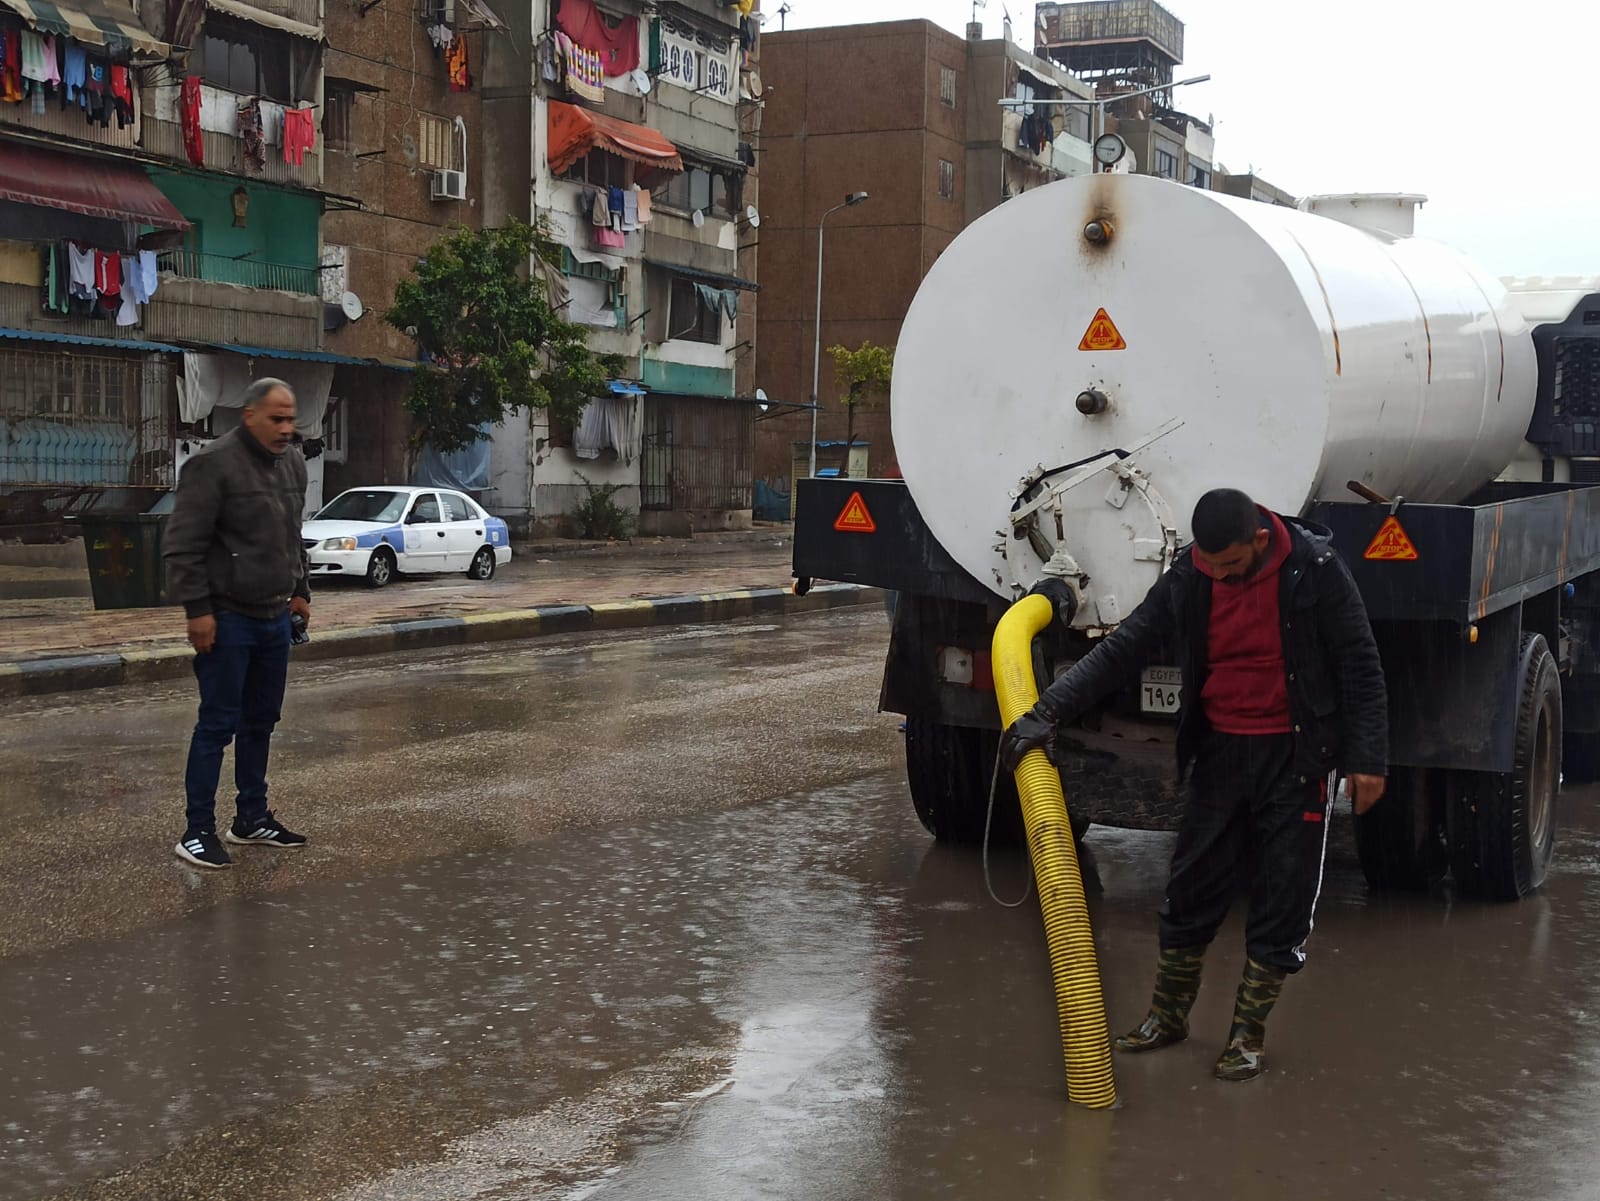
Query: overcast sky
x=1489 y=110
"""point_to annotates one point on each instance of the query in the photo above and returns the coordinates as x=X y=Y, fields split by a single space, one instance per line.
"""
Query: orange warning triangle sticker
x=1102 y=334
x=1390 y=543
x=854 y=519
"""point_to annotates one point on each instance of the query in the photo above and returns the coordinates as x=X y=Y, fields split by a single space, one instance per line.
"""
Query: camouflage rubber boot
x=1177 y=983
x=1245 y=1057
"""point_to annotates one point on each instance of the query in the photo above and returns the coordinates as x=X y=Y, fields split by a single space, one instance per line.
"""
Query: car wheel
x=482 y=565
x=380 y=568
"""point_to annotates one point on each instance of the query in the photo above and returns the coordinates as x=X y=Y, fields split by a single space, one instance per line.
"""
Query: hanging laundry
x=194 y=143
x=747 y=34
x=122 y=96
x=441 y=36
x=644 y=205
x=11 y=66
x=585 y=76
x=31 y=53
x=744 y=7
x=128 y=312
x=97 y=89
x=252 y=142
x=616 y=40
x=613 y=238
x=74 y=73
x=299 y=135
x=52 y=59
x=549 y=65
x=630 y=210
x=80 y=270
x=55 y=298
x=599 y=207
x=149 y=274
x=455 y=65
x=614 y=200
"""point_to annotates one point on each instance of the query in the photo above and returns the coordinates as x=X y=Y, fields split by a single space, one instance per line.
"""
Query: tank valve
x=1092 y=401
x=1097 y=233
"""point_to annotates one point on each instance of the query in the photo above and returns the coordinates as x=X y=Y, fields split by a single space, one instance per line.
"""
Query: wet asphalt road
x=647 y=916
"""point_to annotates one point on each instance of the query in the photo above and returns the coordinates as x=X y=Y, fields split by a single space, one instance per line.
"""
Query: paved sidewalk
x=62 y=643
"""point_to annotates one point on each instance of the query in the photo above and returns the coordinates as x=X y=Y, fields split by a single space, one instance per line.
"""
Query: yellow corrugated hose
x=1080 y=1006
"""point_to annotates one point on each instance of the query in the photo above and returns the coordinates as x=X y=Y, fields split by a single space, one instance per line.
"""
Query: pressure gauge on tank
x=1109 y=149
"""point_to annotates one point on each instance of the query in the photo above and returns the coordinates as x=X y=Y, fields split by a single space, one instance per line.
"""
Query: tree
x=863 y=376
x=491 y=343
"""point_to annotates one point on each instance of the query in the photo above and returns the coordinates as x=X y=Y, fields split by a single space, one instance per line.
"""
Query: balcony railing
x=165 y=138
x=307 y=12
x=245 y=272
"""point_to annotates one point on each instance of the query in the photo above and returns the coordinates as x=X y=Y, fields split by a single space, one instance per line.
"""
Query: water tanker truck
x=1085 y=361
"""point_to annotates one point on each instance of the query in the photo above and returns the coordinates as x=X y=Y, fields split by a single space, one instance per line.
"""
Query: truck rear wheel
x=949 y=769
x=1402 y=840
x=1503 y=824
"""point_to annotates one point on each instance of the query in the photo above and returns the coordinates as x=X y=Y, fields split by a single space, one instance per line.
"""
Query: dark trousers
x=1249 y=810
x=242 y=679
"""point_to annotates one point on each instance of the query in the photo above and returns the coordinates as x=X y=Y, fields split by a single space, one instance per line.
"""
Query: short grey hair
x=257 y=392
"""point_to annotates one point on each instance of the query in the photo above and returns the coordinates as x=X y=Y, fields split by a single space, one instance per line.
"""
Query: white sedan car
x=375 y=532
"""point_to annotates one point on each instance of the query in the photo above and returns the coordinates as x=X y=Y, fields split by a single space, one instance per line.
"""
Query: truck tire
x=1503 y=824
x=948 y=769
x=1402 y=840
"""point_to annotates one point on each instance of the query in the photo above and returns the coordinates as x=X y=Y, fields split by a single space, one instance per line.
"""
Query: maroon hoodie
x=1247 y=690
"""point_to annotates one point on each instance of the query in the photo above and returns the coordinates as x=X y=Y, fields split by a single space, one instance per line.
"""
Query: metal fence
x=246 y=272
x=102 y=420
x=698 y=453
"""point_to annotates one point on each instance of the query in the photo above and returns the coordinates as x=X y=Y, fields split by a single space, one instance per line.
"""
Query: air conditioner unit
x=448 y=185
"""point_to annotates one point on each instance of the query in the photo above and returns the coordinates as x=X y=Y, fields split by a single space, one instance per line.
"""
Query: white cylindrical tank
x=1285 y=353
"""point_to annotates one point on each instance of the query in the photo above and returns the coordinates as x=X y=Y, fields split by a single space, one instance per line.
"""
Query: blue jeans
x=242 y=679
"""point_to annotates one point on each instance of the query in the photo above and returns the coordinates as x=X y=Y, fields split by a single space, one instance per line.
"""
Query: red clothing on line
x=299 y=135
x=1247 y=688
x=107 y=273
x=194 y=143
x=586 y=25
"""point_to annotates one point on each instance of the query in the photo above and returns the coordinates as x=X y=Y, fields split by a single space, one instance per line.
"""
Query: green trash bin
x=124 y=554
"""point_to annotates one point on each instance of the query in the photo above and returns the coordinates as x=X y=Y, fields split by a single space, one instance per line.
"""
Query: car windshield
x=365 y=505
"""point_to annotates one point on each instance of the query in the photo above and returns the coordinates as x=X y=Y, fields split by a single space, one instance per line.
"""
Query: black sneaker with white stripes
x=203 y=850
x=268 y=832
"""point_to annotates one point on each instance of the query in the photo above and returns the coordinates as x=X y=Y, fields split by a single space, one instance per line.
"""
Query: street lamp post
x=850 y=201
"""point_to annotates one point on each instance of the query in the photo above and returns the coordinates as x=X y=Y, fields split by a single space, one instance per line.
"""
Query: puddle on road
x=800 y=999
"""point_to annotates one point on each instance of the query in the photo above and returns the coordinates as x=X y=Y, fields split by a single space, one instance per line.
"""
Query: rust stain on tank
x=1100 y=206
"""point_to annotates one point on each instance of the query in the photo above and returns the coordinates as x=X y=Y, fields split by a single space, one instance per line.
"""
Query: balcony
x=219 y=124
x=240 y=271
x=69 y=125
x=183 y=309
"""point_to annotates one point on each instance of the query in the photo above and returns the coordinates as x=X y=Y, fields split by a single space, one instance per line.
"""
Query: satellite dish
x=752 y=218
x=761 y=398
x=352 y=306
x=699 y=218
x=754 y=86
x=641 y=80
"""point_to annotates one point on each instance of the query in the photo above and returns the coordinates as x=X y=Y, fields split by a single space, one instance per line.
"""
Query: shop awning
x=260 y=16
x=575 y=131
x=40 y=335
x=706 y=277
x=298 y=356
x=95 y=187
x=97 y=22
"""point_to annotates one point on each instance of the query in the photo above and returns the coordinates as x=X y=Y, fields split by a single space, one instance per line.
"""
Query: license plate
x=1160 y=690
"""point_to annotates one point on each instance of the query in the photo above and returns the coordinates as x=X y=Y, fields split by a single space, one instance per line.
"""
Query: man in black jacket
x=1282 y=688
x=236 y=565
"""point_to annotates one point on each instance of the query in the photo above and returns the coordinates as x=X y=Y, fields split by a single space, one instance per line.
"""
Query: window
x=425 y=511
x=1199 y=177
x=602 y=169
x=335 y=438
x=715 y=192
x=244 y=58
x=436 y=142
x=947 y=86
x=615 y=294
x=1166 y=164
x=454 y=506
x=690 y=318
x=338 y=112
x=947 y=179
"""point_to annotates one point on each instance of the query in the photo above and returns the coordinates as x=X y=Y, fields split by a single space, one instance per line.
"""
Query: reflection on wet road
x=796 y=997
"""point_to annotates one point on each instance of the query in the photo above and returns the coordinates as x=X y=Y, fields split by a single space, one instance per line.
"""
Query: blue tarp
x=771 y=505
x=465 y=470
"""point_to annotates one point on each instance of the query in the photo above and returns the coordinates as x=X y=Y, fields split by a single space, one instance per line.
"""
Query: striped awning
x=95 y=22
